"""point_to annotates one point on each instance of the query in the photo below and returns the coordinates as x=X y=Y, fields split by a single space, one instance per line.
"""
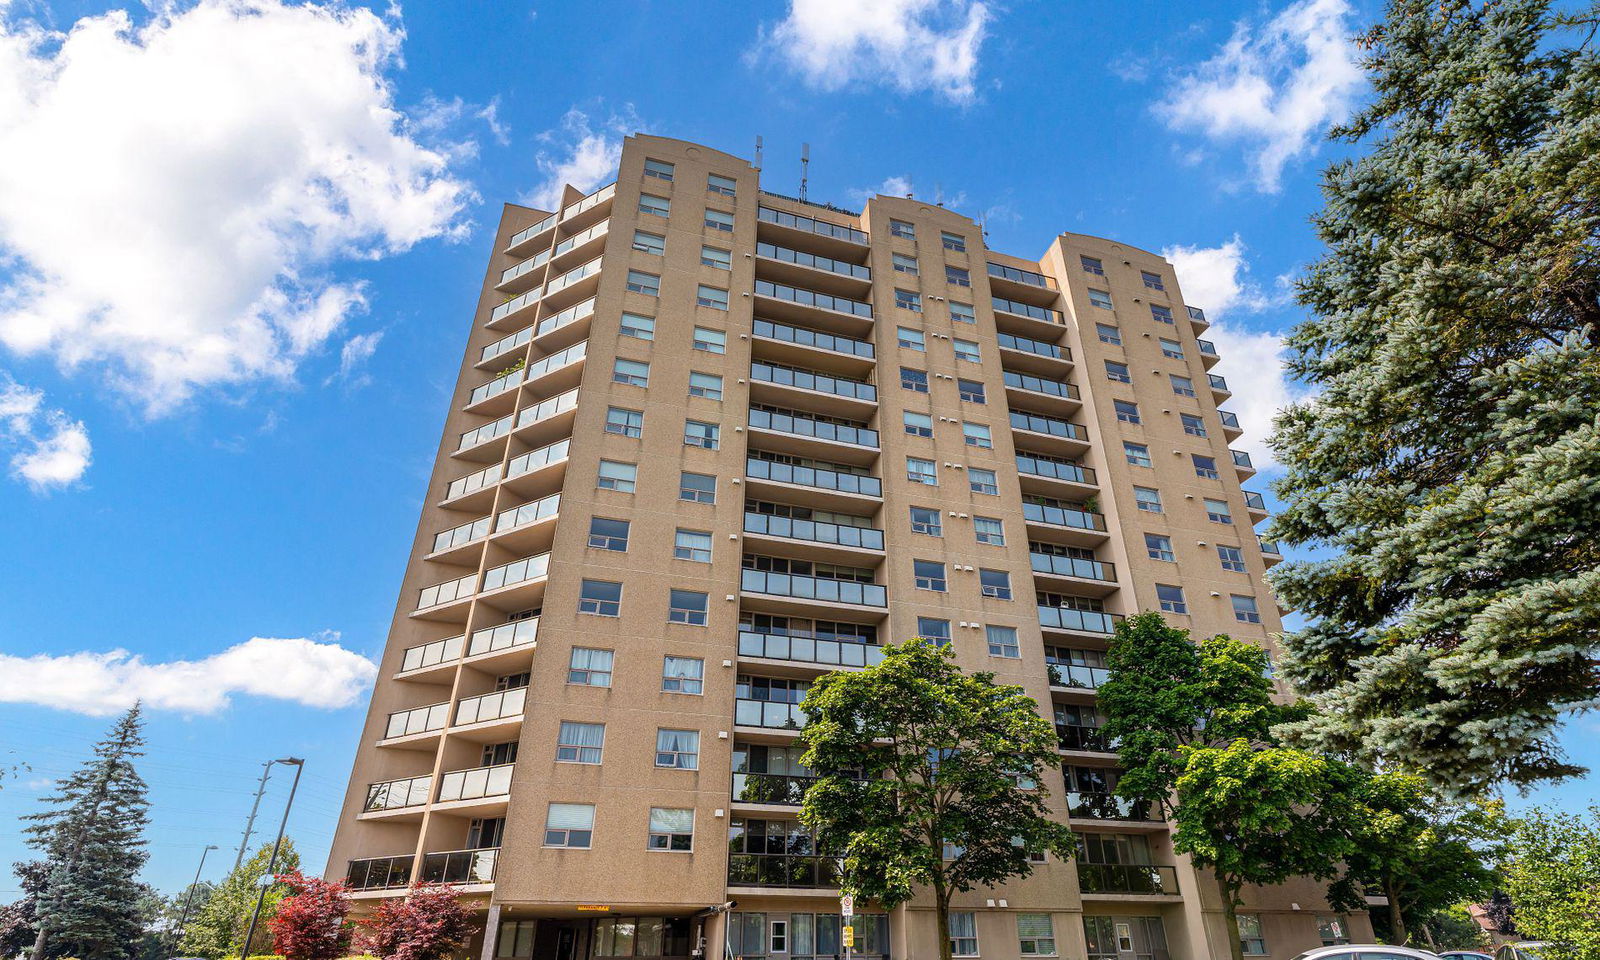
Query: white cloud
x=314 y=673
x=1274 y=88
x=582 y=155
x=175 y=192
x=353 y=356
x=1214 y=278
x=911 y=45
x=54 y=449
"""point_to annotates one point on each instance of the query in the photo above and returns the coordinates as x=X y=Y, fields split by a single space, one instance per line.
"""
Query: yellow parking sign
x=849 y=936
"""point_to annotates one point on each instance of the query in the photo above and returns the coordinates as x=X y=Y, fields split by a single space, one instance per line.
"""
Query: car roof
x=1359 y=948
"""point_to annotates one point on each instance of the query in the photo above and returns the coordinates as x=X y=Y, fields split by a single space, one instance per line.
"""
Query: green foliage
x=940 y=753
x=1454 y=928
x=1451 y=452
x=1552 y=872
x=217 y=929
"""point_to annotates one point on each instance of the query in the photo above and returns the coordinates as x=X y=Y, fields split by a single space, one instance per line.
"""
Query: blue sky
x=234 y=290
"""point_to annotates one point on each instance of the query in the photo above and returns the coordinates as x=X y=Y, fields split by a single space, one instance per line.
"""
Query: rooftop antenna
x=805 y=167
x=758 y=153
x=938 y=193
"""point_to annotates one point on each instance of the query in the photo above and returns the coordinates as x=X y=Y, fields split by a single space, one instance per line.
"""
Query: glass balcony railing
x=507 y=343
x=800 y=648
x=774 y=252
x=379 y=873
x=1197 y=315
x=812 y=338
x=485 y=433
x=582 y=237
x=1127 y=878
x=1271 y=548
x=396 y=794
x=1055 y=388
x=590 y=202
x=459 y=536
x=1017 y=308
x=432 y=654
x=1078 y=676
x=1075 y=736
x=473 y=482
x=536 y=459
x=525 y=267
x=533 y=231
x=404 y=723
x=1229 y=418
x=582 y=310
x=814 y=588
x=1083 y=621
x=1207 y=348
x=811 y=298
x=1022 y=276
x=573 y=276
x=547 y=409
x=811 y=380
x=768 y=713
x=1063 y=516
x=1254 y=500
x=541 y=509
x=506 y=636
x=784 y=788
x=778 y=870
x=808 y=427
x=515 y=304
x=1073 y=567
x=475 y=783
x=1241 y=458
x=1054 y=469
x=813 y=477
x=821 y=228
x=1036 y=347
x=492 y=706
x=1021 y=420
x=1217 y=383
x=556 y=361
x=447 y=592
x=460 y=866
x=1107 y=806
x=816 y=531
x=517 y=571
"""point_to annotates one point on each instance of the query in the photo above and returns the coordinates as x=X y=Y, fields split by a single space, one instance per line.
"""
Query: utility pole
x=183 y=917
x=250 y=824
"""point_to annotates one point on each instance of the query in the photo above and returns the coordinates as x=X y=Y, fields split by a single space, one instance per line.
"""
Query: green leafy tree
x=217 y=929
x=1449 y=453
x=1454 y=928
x=19 y=919
x=916 y=759
x=1552 y=873
x=91 y=837
x=1420 y=851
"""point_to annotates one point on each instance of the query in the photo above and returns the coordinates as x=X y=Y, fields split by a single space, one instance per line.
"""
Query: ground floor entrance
x=644 y=938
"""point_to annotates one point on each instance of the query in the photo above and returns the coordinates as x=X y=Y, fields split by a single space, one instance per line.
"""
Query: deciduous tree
x=1552 y=874
x=217 y=929
x=427 y=924
x=310 y=921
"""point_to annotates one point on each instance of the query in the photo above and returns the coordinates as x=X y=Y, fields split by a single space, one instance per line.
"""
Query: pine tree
x=92 y=839
x=1451 y=453
x=217 y=929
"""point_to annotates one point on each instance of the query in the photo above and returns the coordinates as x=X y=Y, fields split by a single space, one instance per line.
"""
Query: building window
x=1193 y=425
x=1171 y=349
x=1108 y=334
x=569 y=825
x=1159 y=547
x=929 y=575
x=917 y=424
x=1127 y=411
x=1147 y=499
x=1151 y=280
x=951 y=241
x=967 y=350
x=697 y=487
x=962 y=312
x=977 y=435
x=914 y=379
x=660 y=206
x=1092 y=265
x=899 y=228
x=707 y=386
x=1160 y=314
x=1332 y=931
x=710 y=341
x=580 y=742
x=963 y=934
x=719 y=220
x=618 y=476
x=1251 y=941
x=972 y=391
x=679 y=749
x=989 y=530
x=602 y=598
x=932 y=628
x=606 y=534
x=716 y=257
x=694 y=545
x=687 y=606
x=660 y=169
x=682 y=675
x=646 y=283
x=711 y=297
x=628 y=423
x=671 y=829
x=909 y=339
x=1003 y=642
x=1244 y=609
x=640 y=328
x=996 y=584
x=1204 y=467
x=649 y=242
x=589 y=667
x=1182 y=386
x=925 y=521
x=903 y=263
x=1036 y=936
x=697 y=433
x=633 y=373
x=1137 y=453
x=778 y=941
x=980 y=480
x=1118 y=372
x=908 y=300
x=957 y=276
x=1232 y=558
x=722 y=186
x=1217 y=511
x=919 y=470
x=1171 y=598
x=1100 y=298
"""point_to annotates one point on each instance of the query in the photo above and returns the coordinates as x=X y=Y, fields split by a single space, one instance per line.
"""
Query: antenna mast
x=758 y=153
x=805 y=167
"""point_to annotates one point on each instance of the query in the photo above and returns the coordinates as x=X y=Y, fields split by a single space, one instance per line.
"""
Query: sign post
x=847 y=933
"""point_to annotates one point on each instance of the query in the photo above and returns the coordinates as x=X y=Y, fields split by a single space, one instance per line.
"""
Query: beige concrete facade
x=805 y=335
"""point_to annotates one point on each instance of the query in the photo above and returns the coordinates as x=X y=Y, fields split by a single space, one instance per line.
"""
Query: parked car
x=1464 y=955
x=1526 y=950
x=1367 y=951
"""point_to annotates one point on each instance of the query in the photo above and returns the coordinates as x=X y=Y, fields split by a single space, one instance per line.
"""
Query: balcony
x=1025 y=353
x=833 y=238
x=1255 y=503
x=548 y=418
x=1050 y=432
x=1073 y=620
x=463 y=867
x=1075 y=736
x=1096 y=577
x=787 y=265
x=490 y=707
x=1219 y=386
x=570 y=317
x=785 y=342
x=583 y=213
x=1145 y=878
x=520 y=241
x=514 y=308
x=379 y=873
x=519 y=584
x=590 y=241
x=835 y=396
x=573 y=285
x=1077 y=480
x=534 y=462
x=450 y=542
x=428 y=655
x=770 y=714
x=1068 y=517
x=523 y=274
x=1197 y=319
x=1271 y=553
x=786 y=303
x=814 y=589
x=1077 y=676
x=1108 y=806
x=406 y=723
x=505 y=638
x=442 y=600
x=476 y=783
x=1230 y=424
x=815 y=435
x=1028 y=389
x=506 y=344
x=806 y=649
x=1024 y=316
x=476 y=442
x=396 y=794
x=833 y=489
x=1242 y=461
x=1208 y=353
x=817 y=532
x=771 y=788
x=1013 y=281
x=778 y=870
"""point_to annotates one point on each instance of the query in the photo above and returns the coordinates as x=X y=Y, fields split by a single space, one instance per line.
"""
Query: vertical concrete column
x=716 y=934
x=491 y=932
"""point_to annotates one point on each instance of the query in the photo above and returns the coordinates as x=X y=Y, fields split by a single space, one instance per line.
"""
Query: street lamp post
x=188 y=895
x=272 y=861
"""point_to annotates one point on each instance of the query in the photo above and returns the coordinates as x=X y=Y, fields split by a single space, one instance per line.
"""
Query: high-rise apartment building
x=709 y=442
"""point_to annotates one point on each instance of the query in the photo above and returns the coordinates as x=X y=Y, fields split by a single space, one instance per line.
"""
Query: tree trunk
x=941 y=910
x=41 y=941
x=1230 y=918
x=1397 y=922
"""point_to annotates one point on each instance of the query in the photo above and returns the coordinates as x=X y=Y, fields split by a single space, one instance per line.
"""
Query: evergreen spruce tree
x=92 y=841
x=1451 y=453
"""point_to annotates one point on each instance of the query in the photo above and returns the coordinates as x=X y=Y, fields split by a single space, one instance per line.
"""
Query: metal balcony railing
x=447 y=592
x=811 y=298
x=816 y=531
x=1073 y=567
x=772 y=714
x=813 y=477
x=1055 y=388
x=771 y=788
x=1217 y=383
x=802 y=648
x=460 y=866
x=1075 y=736
x=1054 y=469
x=1127 y=878
x=432 y=654
x=1241 y=458
x=1229 y=418
x=1107 y=806
x=379 y=873
x=590 y=202
x=532 y=512
x=1017 y=308
x=813 y=588
x=506 y=636
x=532 y=231
x=475 y=783
x=821 y=228
x=461 y=535
x=804 y=426
x=396 y=794
x=813 y=380
x=1254 y=500
x=1207 y=348
x=403 y=723
x=1071 y=618
x=492 y=706
x=1067 y=430
x=1036 y=347
x=1063 y=516
x=517 y=571
x=775 y=252
x=811 y=338
x=778 y=870
x=1022 y=276
x=1078 y=676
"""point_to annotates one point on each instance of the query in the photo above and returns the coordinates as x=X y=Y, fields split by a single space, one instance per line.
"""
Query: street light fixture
x=188 y=895
x=272 y=861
